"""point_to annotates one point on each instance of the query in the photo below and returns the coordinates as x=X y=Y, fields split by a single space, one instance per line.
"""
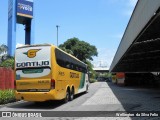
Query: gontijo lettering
x=32 y=64
x=74 y=75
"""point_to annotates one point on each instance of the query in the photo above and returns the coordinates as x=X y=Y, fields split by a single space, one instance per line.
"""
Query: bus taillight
x=52 y=84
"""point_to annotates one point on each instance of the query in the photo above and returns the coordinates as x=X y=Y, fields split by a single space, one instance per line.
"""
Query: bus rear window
x=30 y=71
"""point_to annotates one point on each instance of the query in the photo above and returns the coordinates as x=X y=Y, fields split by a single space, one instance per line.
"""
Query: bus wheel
x=67 y=97
x=71 y=95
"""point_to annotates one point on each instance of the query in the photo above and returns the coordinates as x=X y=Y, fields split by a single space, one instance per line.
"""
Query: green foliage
x=93 y=80
x=9 y=63
x=67 y=50
x=90 y=66
x=3 y=48
x=6 y=96
x=104 y=75
x=94 y=74
x=80 y=49
x=109 y=74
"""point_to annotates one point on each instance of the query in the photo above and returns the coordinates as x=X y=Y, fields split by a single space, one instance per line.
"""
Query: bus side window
x=72 y=66
x=67 y=65
x=60 y=62
x=80 y=69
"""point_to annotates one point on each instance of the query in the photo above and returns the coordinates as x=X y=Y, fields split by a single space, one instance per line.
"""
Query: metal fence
x=6 y=78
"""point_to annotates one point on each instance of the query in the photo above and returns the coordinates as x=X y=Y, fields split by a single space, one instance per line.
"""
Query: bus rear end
x=33 y=73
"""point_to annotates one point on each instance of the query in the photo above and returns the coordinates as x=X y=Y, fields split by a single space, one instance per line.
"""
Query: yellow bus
x=45 y=72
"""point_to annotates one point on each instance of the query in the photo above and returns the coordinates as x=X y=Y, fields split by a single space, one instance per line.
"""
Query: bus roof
x=33 y=45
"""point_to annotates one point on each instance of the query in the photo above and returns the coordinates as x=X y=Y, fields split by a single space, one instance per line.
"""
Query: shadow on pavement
x=136 y=98
x=41 y=105
x=127 y=96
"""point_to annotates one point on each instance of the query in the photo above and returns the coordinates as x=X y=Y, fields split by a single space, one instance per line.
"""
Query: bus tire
x=71 y=97
x=66 y=99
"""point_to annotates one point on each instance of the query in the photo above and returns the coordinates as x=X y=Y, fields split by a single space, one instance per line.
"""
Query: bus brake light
x=52 y=84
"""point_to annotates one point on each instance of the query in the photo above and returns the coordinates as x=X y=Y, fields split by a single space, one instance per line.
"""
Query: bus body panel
x=30 y=84
x=33 y=68
x=38 y=96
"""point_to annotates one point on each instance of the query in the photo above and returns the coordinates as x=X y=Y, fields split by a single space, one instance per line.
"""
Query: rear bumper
x=36 y=96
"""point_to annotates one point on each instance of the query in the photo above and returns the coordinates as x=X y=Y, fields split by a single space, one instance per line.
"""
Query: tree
x=5 y=59
x=80 y=49
x=3 y=53
x=3 y=49
x=9 y=63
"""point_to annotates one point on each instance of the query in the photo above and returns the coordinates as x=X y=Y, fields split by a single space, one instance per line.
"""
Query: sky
x=99 y=22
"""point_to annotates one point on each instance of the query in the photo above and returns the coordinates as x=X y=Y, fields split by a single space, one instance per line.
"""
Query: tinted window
x=67 y=61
